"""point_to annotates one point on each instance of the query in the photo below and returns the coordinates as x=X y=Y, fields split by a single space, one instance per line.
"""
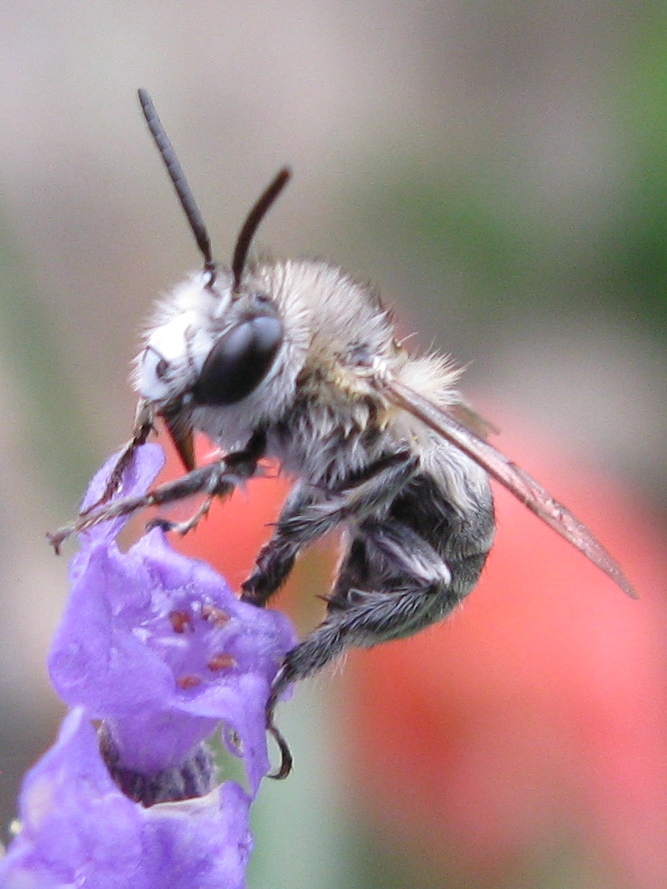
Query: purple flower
x=78 y=828
x=157 y=647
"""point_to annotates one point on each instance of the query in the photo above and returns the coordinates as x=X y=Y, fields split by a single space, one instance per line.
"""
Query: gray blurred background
x=498 y=170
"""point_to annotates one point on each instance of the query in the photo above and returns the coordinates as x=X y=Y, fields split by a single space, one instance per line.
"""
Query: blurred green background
x=498 y=170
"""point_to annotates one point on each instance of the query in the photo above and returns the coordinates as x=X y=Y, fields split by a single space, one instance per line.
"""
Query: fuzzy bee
x=297 y=361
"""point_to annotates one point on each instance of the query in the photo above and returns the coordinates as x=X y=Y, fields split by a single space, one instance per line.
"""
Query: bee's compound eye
x=239 y=361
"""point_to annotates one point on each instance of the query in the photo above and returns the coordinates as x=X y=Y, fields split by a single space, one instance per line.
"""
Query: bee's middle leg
x=309 y=514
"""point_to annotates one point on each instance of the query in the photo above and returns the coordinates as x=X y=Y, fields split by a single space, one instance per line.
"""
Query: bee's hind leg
x=391 y=585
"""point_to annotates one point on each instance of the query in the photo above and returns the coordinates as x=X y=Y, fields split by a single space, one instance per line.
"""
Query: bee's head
x=211 y=346
x=216 y=337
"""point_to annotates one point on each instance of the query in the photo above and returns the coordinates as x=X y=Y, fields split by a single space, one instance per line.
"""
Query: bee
x=297 y=361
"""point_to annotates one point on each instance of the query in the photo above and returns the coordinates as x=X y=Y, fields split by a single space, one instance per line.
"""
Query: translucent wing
x=524 y=488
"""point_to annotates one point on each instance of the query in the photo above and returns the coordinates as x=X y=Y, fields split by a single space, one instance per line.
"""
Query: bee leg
x=286 y=759
x=413 y=589
x=213 y=480
x=276 y=557
x=231 y=471
x=309 y=514
x=186 y=526
x=143 y=426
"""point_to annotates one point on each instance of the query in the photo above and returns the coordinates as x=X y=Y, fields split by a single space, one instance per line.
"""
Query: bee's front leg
x=216 y=479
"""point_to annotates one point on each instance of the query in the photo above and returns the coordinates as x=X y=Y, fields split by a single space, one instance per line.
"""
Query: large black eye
x=239 y=361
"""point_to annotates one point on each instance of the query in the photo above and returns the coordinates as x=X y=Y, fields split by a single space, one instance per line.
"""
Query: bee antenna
x=177 y=176
x=250 y=226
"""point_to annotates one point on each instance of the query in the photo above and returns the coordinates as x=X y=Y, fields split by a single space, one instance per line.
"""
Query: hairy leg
x=309 y=514
x=413 y=589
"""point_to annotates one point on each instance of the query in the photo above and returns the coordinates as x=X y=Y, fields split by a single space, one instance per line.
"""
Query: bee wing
x=473 y=421
x=518 y=482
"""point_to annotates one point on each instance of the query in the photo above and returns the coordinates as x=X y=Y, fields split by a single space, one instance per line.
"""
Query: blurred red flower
x=536 y=716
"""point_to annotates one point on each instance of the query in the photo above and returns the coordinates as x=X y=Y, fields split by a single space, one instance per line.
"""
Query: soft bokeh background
x=500 y=171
